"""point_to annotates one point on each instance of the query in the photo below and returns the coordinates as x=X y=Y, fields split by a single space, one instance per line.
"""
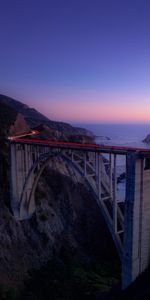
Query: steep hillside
x=56 y=130
x=8 y=116
x=23 y=108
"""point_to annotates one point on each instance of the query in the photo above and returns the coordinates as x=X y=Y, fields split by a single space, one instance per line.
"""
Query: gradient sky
x=78 y=60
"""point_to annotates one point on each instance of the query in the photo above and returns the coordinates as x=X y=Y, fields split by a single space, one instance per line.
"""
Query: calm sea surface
x=119 y=134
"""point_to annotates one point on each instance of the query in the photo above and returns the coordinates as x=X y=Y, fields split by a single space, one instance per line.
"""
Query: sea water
x=119 y=134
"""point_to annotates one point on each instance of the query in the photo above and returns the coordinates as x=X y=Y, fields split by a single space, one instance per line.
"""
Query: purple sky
x=78 y=60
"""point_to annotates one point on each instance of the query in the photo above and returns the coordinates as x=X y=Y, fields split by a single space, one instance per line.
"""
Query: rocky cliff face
x=19 y=126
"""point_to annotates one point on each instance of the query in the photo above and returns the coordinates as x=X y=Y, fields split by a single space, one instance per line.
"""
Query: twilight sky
x=78 y=60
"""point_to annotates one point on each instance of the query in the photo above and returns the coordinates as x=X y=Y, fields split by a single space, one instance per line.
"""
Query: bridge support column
x=114 y=196
x=21 y=162
x=136 y=249
x=17 y=177
x=30 y=157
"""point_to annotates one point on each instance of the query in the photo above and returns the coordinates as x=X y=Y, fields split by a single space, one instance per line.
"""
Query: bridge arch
x=27 y=202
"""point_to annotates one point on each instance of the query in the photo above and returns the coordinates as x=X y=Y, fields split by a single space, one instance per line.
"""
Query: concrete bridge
x=128 y=219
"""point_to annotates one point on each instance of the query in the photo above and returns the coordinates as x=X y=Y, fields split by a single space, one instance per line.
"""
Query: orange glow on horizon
x=101 y=112
x=97 y=107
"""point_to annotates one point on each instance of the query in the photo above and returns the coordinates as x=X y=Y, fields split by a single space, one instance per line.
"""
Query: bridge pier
x=21 y=162
x=16 y=179
x=136 y=248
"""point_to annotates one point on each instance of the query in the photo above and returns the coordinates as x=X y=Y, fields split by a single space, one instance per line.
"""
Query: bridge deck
x=86 y=146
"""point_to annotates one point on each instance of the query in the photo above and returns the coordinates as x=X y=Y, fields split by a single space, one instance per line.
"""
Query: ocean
x=119 y=134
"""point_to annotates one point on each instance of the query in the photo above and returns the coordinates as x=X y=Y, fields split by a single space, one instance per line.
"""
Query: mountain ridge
x=57 y=130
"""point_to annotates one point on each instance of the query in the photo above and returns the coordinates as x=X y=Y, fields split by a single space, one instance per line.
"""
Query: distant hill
x=23 y=109
x=57 y=130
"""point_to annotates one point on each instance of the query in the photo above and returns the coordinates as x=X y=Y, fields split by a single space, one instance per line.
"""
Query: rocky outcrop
x=19 y=126
x=147 y=139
